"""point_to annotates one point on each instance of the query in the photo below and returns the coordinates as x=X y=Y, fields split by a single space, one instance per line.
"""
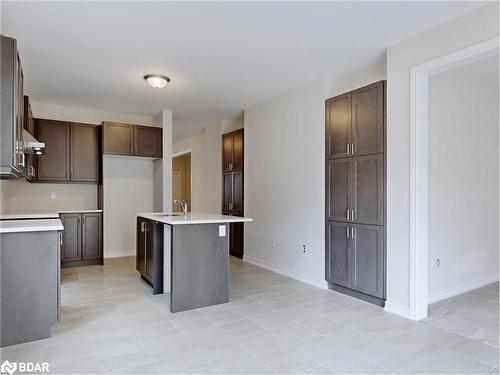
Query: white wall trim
x=419 y=123
x=180 y=153
x=455 y=291
x=397 y=309
x=119 y=253
x=287 y=272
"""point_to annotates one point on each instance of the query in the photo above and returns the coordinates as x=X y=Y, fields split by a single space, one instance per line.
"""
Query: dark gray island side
x=195 y=257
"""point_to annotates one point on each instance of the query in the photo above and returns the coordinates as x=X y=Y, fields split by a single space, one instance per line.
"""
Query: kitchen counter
x=40 y=214
x=192 y=218
x=37 y=225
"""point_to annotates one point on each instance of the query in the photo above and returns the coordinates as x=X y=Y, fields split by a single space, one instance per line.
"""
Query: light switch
x=222 y=231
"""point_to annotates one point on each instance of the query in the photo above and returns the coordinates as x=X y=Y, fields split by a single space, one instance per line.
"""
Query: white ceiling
x=222 y=57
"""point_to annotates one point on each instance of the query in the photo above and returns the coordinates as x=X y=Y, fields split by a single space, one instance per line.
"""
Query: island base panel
x=29 y=286
x=199 y=264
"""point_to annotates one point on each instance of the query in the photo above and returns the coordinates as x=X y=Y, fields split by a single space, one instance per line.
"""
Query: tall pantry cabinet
x=355 y=193
x=232 y=187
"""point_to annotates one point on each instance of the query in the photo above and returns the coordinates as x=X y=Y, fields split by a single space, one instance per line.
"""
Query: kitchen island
x=194 y=258
x=29 y=258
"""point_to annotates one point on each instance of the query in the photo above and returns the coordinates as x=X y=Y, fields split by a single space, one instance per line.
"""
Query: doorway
x=420 y=75
x=181 y=180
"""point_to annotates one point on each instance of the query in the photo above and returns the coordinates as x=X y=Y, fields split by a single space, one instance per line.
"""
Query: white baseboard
x=451 y=292
x=400 y=310
x=286 y=272
x=119 y=253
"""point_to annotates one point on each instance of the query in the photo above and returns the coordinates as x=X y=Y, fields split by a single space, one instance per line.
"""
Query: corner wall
x=463 y=179
x=461 y=32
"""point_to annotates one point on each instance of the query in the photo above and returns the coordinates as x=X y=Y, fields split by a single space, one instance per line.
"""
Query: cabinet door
x=368 y=189
x=337 y=260
x=29 y=126
x=238 y=150
x=84 y=153
x=237 y=202
x=227 y=152
x=118 y=138
x=338 y=189
x=53 y=165
x=91 y=236
x=147 y=141
x=227 y=191
x=338 y=126
x=368 y=260
x=368 y=119
x=141 y=245
x=236 y=240
x=71 y=249
x=150 y=245
x=20 y=115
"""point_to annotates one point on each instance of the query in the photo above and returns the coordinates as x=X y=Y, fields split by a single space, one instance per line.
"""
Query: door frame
x=183 y=153
x=419 y=155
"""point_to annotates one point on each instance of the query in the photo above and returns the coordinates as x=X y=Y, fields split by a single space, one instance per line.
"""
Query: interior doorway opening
x=181 y=180
x=420 y=75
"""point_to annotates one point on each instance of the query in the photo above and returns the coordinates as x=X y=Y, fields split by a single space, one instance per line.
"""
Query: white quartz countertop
x=37 y=225
x=192 y=218
x=40 y=214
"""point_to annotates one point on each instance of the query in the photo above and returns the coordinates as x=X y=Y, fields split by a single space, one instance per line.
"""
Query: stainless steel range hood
x=31 y=145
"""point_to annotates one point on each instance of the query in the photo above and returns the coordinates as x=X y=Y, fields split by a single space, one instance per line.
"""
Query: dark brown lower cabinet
x=149 y=253
x=236 y=240
x=81 y=239
x=355 y=259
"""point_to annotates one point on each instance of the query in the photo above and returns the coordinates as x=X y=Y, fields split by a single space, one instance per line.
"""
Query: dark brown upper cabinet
x=118 y=139
x=12 y=158
x=147 y=141
x=71 y=152
x=84 y=153
x=29 y=126
x=367 y=133
x=355 y=122
x=232 y=187
x=132 y=140
x=54 y=164
x=338 y=126
x=232 y=151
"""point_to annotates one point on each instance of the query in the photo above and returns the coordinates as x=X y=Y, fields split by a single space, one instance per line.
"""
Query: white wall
x=284 y=182
x=453 y=35
x=19 y=195
x=285 y=176
x=127 y=190
x=463 y=179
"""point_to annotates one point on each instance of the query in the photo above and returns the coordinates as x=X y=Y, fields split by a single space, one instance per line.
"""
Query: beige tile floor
x=111 y=323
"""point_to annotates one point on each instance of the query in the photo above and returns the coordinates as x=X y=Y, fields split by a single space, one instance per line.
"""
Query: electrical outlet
x=273 y=244
x=303 y=249
x=53 y=196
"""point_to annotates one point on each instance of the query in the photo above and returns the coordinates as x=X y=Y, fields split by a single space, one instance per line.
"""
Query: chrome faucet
x=183 y=204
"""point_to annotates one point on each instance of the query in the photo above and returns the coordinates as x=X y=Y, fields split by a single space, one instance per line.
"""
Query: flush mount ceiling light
x=156 y=80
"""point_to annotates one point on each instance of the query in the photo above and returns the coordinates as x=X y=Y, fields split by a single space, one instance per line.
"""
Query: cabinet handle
x=347 y=232
x=347 y=214
x=347 y=146
x=352 y=148
x=352 y=232
x=352 y=215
